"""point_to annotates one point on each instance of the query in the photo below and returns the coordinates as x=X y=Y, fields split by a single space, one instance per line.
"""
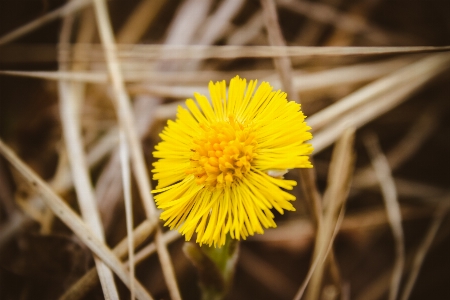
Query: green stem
x=215 y=266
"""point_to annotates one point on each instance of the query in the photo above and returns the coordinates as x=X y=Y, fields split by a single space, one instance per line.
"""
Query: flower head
x=220 y=164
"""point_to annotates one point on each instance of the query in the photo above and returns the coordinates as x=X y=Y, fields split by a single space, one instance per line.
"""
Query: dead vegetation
x=86 y=87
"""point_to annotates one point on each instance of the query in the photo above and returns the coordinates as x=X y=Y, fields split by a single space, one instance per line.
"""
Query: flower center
x=223 y=152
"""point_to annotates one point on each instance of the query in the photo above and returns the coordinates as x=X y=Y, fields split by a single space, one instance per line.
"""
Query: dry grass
x=86 y=86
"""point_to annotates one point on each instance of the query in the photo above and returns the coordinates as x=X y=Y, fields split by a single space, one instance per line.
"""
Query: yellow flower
x=220 y=166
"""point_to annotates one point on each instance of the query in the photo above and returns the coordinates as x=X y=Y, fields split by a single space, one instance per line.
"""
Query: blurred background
x=398 y=102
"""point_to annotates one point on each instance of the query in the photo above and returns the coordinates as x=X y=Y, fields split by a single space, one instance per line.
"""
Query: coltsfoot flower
x=217 y=161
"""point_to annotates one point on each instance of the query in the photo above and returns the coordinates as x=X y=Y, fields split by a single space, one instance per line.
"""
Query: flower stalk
x=215 y=267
